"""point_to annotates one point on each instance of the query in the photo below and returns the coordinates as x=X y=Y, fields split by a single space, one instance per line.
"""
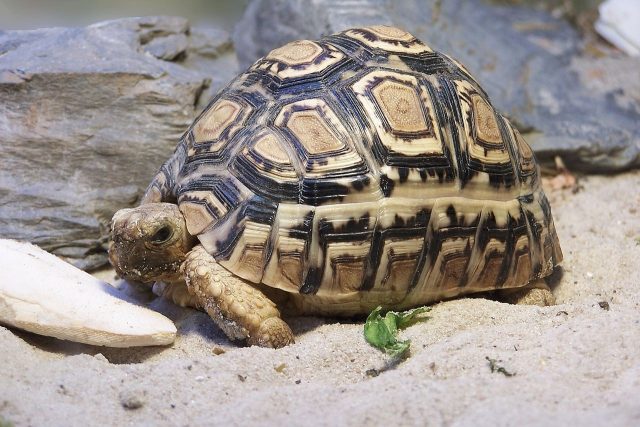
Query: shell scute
x=388 y=39
x=264 y=165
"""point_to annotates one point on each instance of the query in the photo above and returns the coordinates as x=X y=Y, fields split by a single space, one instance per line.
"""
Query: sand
x=576 y=363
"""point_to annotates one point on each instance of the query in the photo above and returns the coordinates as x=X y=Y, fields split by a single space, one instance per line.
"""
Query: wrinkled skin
x=150 y=243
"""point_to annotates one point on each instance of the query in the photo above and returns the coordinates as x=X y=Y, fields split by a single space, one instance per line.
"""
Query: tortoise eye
x=163 y=234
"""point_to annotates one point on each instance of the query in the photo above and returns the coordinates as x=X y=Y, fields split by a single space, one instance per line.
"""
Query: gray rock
x=87 y=115
x=618 y=76
x=522 y=57
x=211 y=50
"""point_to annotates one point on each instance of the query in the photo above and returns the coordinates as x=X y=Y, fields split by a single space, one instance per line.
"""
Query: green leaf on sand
x=382 y=332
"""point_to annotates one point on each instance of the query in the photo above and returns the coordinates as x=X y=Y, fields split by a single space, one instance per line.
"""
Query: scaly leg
x=239 y=309
x=536 y=293
x=176 y=292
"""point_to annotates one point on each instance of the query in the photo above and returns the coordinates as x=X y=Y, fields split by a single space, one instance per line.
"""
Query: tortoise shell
x=362 y=166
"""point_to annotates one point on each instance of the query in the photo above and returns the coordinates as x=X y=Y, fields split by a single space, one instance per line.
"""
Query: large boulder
x=524 y=58
x=87 y=115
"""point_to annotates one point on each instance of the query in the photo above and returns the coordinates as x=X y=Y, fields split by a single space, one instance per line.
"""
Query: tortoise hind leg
x=239 y=309
x=536 y=293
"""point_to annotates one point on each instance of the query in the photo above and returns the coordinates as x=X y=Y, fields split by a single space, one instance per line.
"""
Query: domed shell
x=363 y=162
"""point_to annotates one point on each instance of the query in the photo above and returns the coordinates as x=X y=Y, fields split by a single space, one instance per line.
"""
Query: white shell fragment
x=619 y=23
x=45 y=295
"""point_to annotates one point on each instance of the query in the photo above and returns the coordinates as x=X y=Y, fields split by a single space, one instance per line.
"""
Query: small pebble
x=62 y=390
x=372 y=372
x=132 y=399
x=218 y=351
x=604 y=305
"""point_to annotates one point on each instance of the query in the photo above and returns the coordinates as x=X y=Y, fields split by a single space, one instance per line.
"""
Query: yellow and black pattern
x=363 y=165
x=387 y=39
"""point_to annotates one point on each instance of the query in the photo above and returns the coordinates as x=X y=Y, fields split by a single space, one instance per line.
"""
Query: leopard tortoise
x=336 y=175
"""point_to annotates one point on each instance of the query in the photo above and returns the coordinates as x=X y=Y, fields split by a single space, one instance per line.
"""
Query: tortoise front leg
x=239 y=309
x=176 y=292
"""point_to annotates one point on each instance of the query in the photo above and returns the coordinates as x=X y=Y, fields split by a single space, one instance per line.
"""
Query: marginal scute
x=251 y=262
x=347 y=260
x=248 y=257
x=448 y=261
x=493 y=258
x=526 y=159
x=288 y=263
x=521 y=272
x=349 y=274
x=342 y=249
x=399 y=244
x=291 y=263
x=545 y=250
x=399 y=262
x=455 y=264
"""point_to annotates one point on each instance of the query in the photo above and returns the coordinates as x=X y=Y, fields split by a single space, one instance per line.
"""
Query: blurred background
x=28 y=14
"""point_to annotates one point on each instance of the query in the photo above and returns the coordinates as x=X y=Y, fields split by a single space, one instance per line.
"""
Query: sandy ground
x=576 y=363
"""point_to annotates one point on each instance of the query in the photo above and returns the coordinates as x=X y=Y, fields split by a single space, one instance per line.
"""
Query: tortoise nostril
x=163 y=234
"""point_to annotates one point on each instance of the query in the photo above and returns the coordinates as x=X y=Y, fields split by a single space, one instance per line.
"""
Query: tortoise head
x=149 y=243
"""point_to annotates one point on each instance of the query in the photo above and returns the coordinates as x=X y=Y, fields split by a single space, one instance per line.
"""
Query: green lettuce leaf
x=382 y=332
